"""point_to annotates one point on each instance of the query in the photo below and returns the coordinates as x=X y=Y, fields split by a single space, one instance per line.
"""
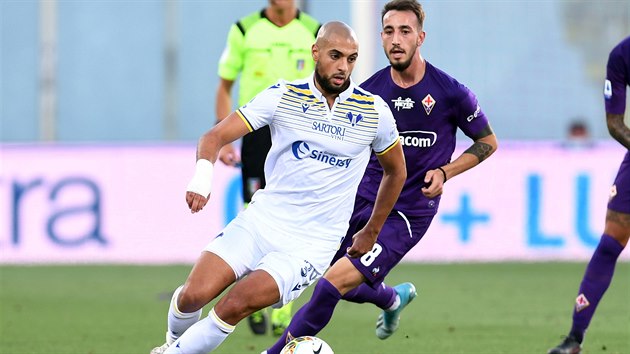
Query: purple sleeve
x=616 y=81
x=470 y=118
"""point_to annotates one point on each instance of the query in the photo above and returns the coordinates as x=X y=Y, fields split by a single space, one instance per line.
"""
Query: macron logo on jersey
x=301 y=150
x=417 y=138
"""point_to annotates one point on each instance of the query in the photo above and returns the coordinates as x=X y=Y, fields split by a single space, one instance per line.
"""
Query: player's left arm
x=389 y=152
x=470 y=118
x=485 y=144
x=394 y=176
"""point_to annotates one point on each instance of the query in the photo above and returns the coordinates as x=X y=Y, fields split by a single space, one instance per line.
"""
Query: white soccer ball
x=307 y=345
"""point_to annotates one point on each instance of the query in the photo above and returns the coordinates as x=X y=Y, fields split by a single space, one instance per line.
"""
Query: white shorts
x=246 y=244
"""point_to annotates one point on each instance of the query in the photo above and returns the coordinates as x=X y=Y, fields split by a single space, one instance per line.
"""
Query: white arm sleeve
x=261 y=109
x=387 y=133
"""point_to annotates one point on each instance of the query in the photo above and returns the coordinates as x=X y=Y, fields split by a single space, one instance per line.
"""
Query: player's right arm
x=228 y=154
x=225 y=132
x=230 y=65
x=254 y=115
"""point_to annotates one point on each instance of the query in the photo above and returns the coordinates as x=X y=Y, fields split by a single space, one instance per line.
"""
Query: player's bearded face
x=400 y=58
x=401 y=36
x=330 y=83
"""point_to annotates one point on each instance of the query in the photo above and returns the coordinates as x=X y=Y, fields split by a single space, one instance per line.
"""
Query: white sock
x=203 y=337
x=395 y=304
x=179 y=322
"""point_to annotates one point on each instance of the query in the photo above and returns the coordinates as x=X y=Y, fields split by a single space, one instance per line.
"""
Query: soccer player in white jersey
x=323 y=130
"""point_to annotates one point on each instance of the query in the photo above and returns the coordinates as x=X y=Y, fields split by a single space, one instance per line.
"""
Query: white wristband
x=201 y=183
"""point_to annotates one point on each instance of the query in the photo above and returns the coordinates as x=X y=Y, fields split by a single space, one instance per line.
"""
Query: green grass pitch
x=461 y=308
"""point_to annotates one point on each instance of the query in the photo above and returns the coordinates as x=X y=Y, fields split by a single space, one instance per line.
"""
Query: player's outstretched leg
x=569 y=345
x=312 y=317
x=280 y=319
x=258 y=322
x=383 y=296
x=597 y=278
x=178 y=322
x=389 y=319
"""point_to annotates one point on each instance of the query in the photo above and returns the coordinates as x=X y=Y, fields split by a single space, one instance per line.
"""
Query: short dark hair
x=405 y=5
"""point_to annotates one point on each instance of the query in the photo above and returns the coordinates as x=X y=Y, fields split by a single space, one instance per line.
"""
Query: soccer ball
x=307 y=345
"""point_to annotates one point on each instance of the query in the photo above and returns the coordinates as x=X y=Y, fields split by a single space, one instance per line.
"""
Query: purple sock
x=597 y=277
x=313 y=316
x=383 y=296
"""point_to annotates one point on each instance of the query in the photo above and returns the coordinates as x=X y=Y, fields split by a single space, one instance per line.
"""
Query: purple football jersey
x=617 y=78
x=427 y=115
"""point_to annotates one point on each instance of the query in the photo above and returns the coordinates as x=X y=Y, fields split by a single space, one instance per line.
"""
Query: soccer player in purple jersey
x=428 y=106
x=601 y=267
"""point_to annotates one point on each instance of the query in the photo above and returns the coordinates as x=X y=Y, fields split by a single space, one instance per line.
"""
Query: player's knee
x=344 y=276
x=191 y=300
x=233 y=308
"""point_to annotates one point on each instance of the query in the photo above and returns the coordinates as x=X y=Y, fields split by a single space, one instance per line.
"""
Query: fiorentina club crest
x=428 y=103
x=581 y=303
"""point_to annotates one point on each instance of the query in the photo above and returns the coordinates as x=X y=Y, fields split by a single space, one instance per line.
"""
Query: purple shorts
x=620 y=191
x=399 y=235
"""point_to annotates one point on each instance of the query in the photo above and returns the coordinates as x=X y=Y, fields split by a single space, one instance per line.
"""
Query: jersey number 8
x=369 y=257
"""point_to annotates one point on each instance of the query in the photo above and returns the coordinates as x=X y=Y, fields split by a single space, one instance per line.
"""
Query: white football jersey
x=318 y=155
